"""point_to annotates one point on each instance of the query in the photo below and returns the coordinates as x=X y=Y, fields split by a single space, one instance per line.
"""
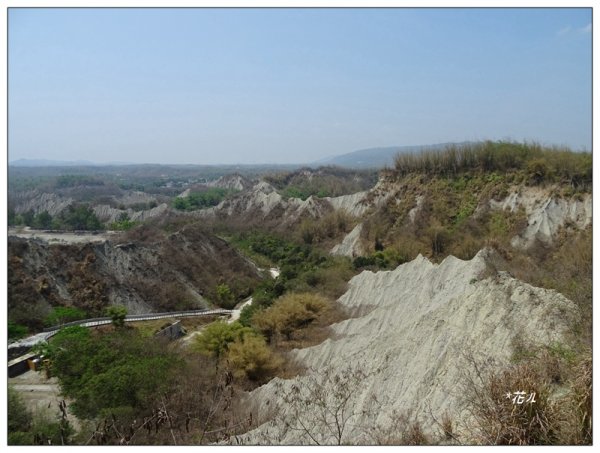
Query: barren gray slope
x=411 y=331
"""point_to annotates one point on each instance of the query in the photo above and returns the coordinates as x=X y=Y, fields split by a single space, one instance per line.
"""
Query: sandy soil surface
x=40 y=394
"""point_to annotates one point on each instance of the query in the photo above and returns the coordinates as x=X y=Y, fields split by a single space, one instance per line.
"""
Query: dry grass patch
x=297 y=320
x=553 y=408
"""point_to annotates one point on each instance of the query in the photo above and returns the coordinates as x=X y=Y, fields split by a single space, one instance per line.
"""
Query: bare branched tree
x=320 y=407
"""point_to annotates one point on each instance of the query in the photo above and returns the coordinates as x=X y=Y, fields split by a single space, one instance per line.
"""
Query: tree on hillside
x=117 y=313
x=43 y=220
x=289 y=313
x=215 y=339
x=225 y=297
x=81 y=217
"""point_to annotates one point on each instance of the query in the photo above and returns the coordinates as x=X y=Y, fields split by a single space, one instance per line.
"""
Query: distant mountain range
x=59 y=163
x=378 y=157
x=49 y=163
x=363 y=158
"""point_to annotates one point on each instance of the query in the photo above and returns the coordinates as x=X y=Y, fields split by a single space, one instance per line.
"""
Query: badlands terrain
x=403 y=306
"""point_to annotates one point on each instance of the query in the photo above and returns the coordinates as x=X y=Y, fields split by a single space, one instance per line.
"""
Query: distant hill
x=377 y=157
x=49 y=163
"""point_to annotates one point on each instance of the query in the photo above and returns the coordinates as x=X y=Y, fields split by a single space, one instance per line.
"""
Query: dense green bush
x=77 y=217
x=266 y=292
x=16 y=331
x=199 y=200
x=110 y=370
x=247 y=313
x=123 y=223
x=62 y=315
x=215 y=338
x=225 y=297
x=302 y=193
x=43 y=220
x=117 y=313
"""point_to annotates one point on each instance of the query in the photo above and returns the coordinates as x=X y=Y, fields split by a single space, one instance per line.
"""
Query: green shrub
x=123 y=223
x=250 y=356
x=16 y=331
x=247 y=313
x=289 y=313
x=225 y=297
x=77 y=217
x=117 y=313
x=116 y=369
x=215 y=338
x=43 y=220
x=322 y=182
x=19 y=417
x=266 y=292
x=20 y=438
x=199 y=200
x=62 y=315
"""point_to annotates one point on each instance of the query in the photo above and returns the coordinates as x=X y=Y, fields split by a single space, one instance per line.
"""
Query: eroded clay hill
x=413 y=337
x=457 y=215
x=162 y=273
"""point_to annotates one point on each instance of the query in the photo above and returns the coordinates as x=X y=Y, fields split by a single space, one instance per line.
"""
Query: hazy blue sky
x=291 y=85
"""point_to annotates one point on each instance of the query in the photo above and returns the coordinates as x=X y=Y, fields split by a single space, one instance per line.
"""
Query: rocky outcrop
x=231 y=182
x=180 y=271
x=412 y=214
x=546 y=213
x=357 y=204
x=108 y=214
x=54 y=204
x=39 y=202
x=263 y=204
x=134 y=197
x=411 y=331
x=351 y=245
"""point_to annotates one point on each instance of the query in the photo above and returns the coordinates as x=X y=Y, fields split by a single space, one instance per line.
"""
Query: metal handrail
x=90 y=322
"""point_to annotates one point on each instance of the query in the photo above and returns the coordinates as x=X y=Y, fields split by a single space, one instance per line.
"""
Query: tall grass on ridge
x=541 y=164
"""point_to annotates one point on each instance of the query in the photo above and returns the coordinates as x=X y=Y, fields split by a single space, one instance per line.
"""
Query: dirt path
x=59 y=237
x=41 y=395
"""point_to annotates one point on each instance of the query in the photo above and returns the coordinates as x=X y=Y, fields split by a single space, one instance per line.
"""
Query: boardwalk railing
x=92 y=322
x=29 y=342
